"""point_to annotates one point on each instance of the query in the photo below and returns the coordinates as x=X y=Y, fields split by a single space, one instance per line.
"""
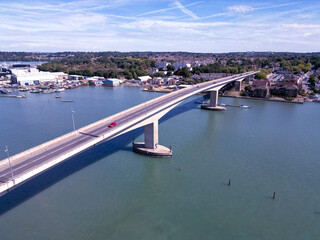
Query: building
x=94 y=81
x=260 y=88
x=162 y=64
x=142 y=79
x=153 y=70
x=111 y=82
x=285 y=89
x=60 y=76
x=178 y=65
x=75 y=77
x=31 y=76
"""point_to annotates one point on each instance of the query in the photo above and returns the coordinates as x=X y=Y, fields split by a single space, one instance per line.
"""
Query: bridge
x=23 y=166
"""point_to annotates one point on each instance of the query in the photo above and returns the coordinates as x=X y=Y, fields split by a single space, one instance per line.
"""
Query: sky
x=215 y=26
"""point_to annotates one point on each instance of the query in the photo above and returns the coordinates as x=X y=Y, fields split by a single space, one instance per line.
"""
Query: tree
x=184 y=72
x=261 y=75
x=170 y=67
x=312 y=80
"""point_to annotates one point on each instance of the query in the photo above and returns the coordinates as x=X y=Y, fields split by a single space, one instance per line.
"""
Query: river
x=109 y=192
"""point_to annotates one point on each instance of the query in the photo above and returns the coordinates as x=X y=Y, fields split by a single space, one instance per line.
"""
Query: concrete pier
x=213 y=104
x=150 y=146
x=238 y=85
x=160 y=151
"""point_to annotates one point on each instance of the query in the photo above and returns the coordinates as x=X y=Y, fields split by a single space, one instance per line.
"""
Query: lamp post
x=74 y=125
x=7 y=151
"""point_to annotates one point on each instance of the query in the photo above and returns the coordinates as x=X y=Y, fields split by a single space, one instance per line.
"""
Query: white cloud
x=240 y=8
x=167 y=9
x=302 y=26
x=184 y=10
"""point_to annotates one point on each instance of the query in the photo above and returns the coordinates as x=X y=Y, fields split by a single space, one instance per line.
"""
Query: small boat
x=60 y=90
x=4 y=91
x=24 y=89
x=46 y=91
x=58 y=97
x=35 y=91
x=245 y=106
x=67 y=100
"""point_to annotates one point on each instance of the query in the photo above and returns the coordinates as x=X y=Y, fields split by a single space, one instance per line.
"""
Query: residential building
x=260 y=88
x=285 y=89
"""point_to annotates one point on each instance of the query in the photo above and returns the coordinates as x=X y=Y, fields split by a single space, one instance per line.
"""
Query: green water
x=109 y=192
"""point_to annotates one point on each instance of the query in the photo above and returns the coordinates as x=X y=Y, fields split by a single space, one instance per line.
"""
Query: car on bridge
x=113 y=124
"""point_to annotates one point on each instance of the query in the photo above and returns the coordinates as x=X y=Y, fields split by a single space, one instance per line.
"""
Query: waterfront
x=110 y=192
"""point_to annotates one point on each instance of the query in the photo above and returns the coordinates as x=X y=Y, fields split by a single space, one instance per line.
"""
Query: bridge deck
x=36 y=160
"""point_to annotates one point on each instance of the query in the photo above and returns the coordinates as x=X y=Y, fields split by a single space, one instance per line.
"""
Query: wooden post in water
x=274 y=195
x=229 y=183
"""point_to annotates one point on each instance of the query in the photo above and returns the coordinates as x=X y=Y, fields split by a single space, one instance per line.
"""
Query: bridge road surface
x=129 y=116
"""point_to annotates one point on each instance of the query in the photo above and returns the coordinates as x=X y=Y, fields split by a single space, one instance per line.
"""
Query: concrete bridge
x=23 y=166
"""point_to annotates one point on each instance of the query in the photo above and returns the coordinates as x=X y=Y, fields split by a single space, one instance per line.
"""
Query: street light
x=7 y=151
x=74 y=125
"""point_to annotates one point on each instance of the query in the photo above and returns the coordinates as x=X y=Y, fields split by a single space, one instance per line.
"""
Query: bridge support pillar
x=213 y=104
x=150 y=146
x=238 y=85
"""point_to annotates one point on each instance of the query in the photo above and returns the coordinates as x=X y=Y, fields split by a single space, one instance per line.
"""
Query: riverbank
x=236 y=94
x=298 y=101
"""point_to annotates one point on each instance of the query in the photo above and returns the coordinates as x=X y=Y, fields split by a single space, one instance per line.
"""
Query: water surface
x=109 y=192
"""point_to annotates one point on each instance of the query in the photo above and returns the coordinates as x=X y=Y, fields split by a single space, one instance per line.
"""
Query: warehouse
x=112 y=82
x=31 y=76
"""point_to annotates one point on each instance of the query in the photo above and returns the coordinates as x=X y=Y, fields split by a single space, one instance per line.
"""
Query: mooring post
x=274 y=195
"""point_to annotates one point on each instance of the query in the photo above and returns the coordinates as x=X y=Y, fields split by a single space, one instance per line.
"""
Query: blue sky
x=163 y=25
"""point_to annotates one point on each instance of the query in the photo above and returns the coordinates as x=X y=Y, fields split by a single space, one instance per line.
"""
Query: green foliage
x=312 y=80
x=170 y=67
x=183 y=72
x=247 y=88
x=261 y=75
x=159 y=74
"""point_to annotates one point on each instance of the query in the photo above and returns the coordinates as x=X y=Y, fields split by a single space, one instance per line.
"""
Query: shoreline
x=264 y=99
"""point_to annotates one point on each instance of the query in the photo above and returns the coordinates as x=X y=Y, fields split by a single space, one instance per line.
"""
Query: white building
x=181 y=65
x=142 y=79
x=161 y=64
x=31 y=76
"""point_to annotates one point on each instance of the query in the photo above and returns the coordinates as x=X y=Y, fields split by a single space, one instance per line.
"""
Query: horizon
x=156 y=52
x=162 y=26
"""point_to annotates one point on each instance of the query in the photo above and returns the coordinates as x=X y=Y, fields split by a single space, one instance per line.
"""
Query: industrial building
x=32 y=76
x=111 y=82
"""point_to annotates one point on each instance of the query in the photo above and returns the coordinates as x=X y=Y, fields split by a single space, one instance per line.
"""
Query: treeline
x=103 y=66
x=211 y=68
x=296 y=66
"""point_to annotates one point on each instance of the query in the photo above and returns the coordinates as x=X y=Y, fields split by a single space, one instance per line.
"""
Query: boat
x=24 y=89
x=245 y=106
x=58 y=97
x=46 y=91
x=67 y=100
x=60 y=90
x=4 y=91
x=35 y=91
